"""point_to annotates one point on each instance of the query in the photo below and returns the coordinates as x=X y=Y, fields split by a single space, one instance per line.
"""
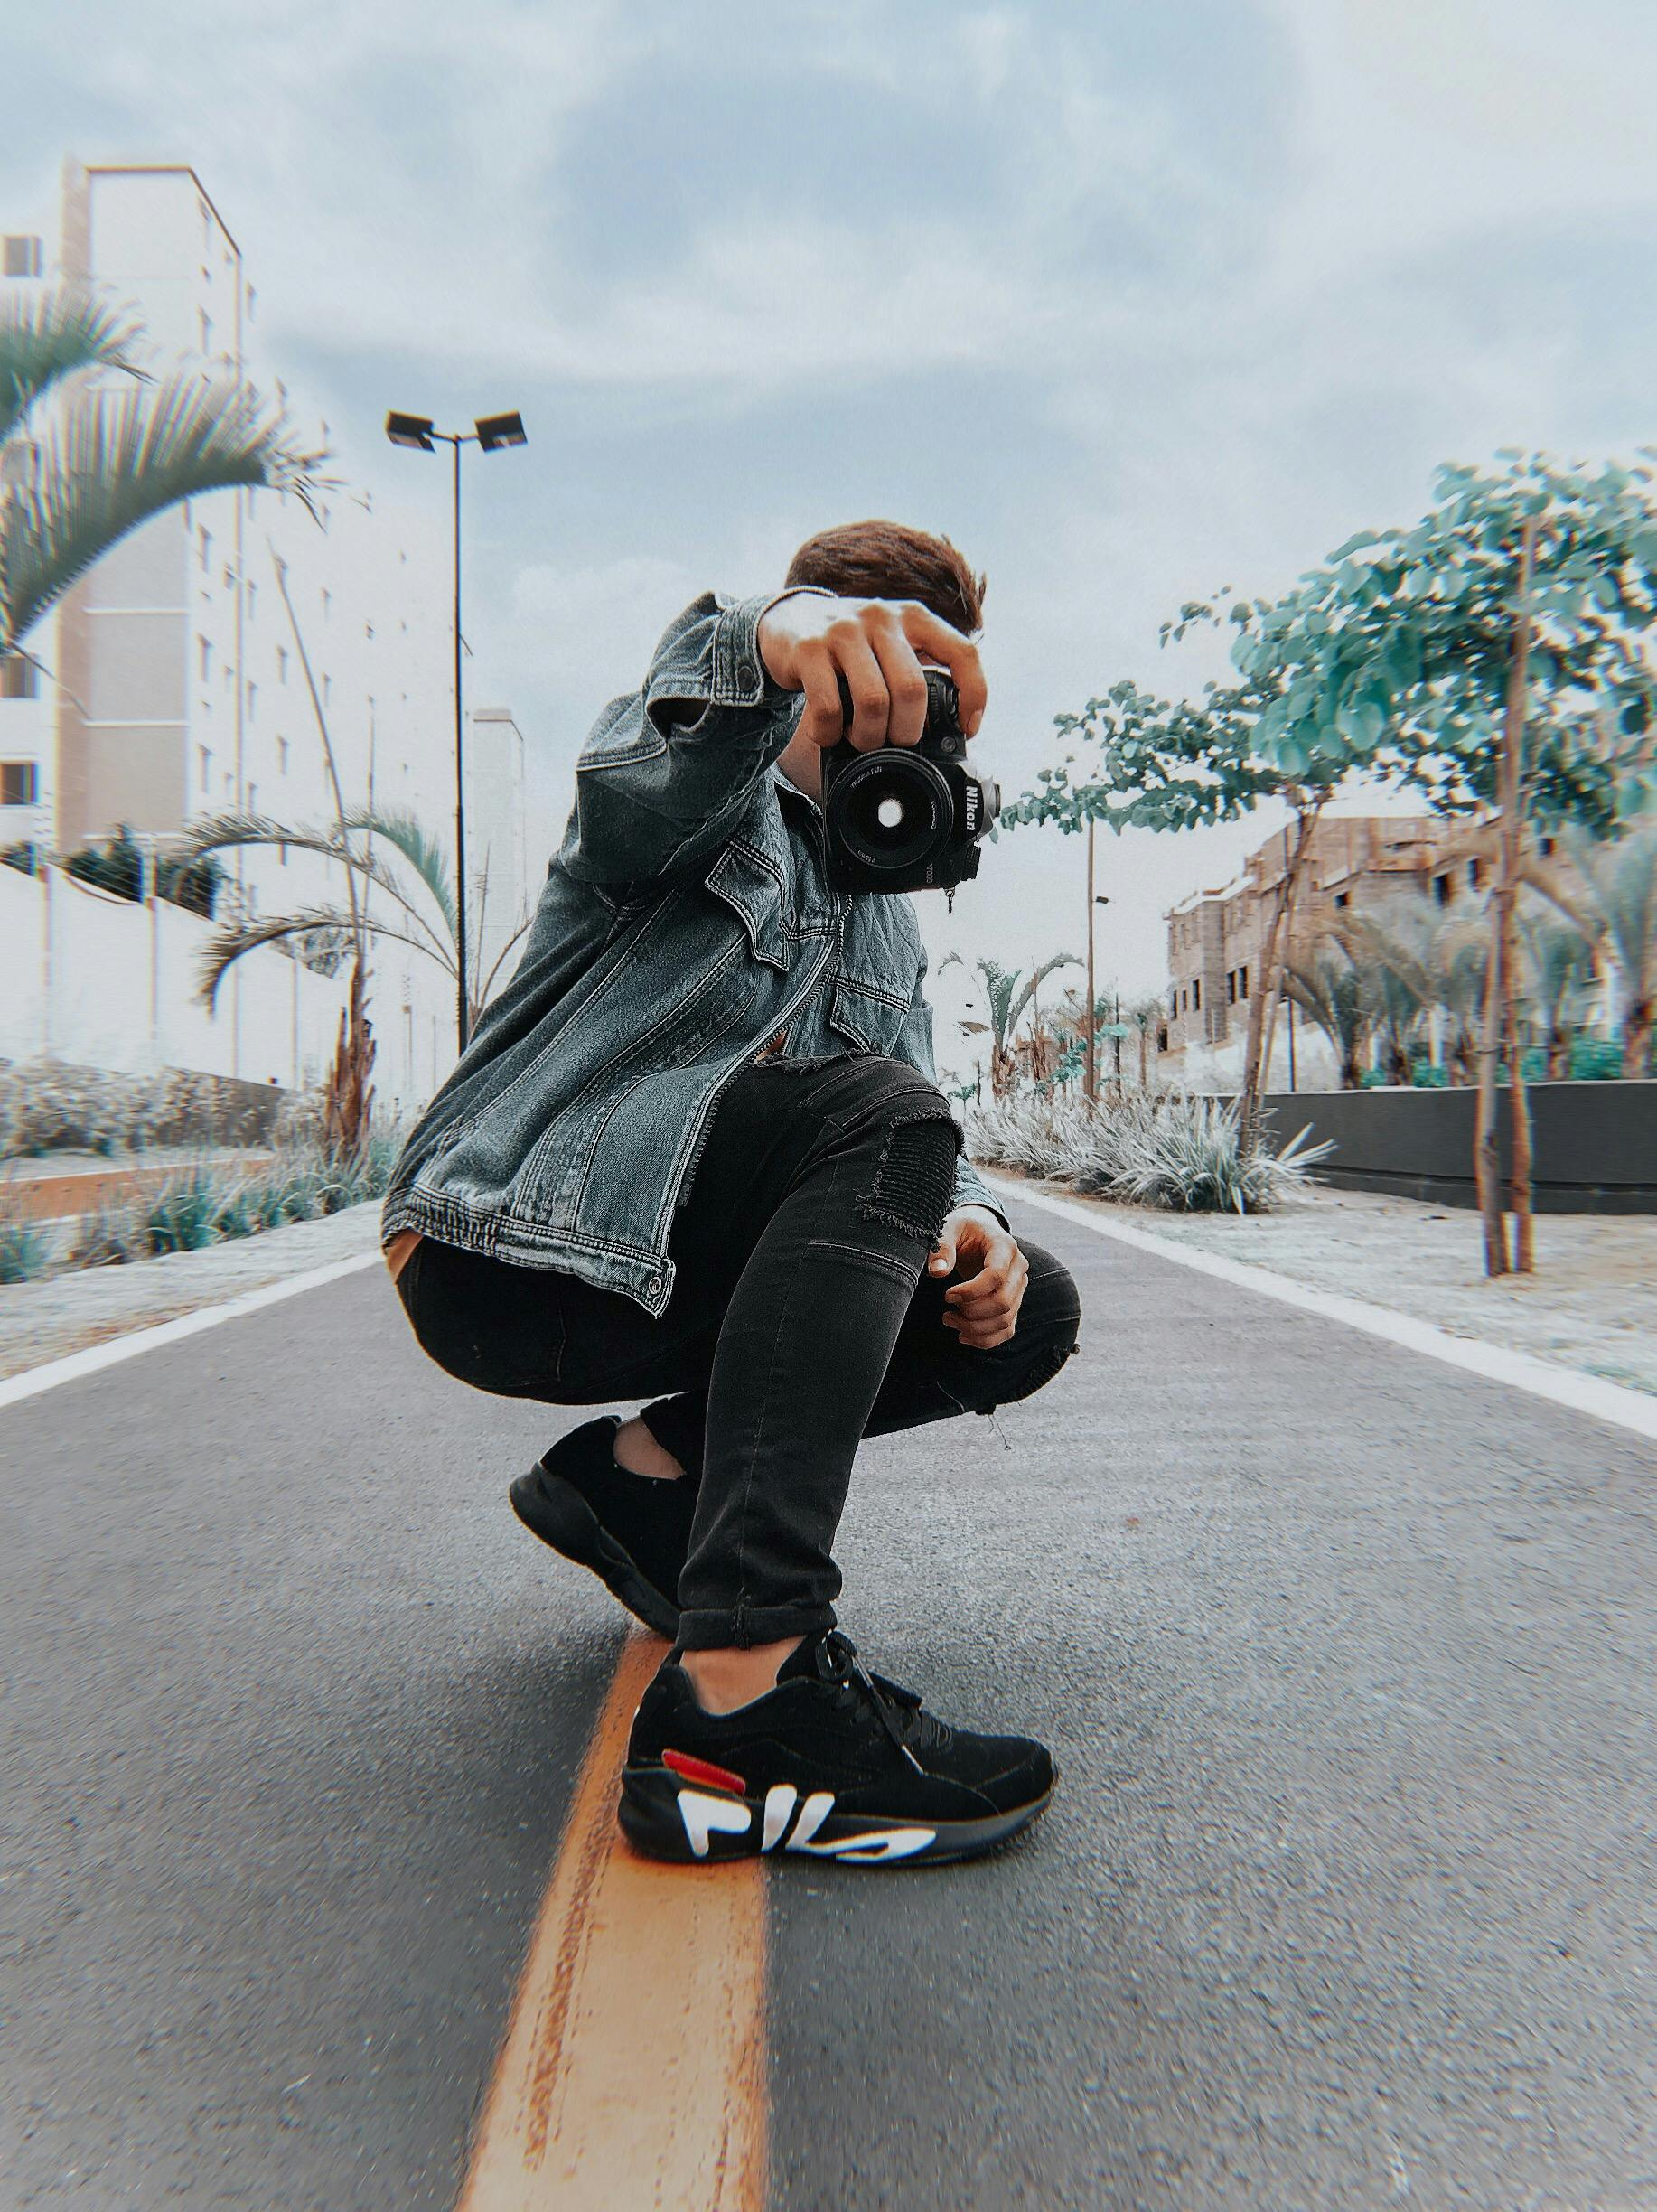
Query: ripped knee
x=914 y=1174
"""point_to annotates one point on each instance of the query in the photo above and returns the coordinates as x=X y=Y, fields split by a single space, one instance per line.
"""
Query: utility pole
x=1090 y=1080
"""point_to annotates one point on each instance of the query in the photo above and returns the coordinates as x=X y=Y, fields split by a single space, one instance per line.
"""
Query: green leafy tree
x=1158 y=763
x=1329 y=990
x=1491 y=657
x=1558 y=959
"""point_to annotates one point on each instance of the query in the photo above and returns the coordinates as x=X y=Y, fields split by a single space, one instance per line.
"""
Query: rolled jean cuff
x=737 y=1629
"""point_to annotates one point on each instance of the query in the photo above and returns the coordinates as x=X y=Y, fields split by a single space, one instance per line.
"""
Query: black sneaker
x=834 y=1762
x=633 y=1531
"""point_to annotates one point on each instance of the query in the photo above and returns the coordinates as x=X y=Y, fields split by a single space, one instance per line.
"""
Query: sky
x=1133 y=302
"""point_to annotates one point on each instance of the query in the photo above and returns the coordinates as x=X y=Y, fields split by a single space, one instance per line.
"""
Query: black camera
x=907 y=818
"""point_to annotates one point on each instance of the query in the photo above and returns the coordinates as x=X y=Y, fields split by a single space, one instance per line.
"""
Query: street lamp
x=1089 y=1081
x=490 y=434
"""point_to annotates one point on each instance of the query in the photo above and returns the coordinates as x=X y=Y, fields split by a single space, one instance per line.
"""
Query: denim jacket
x=685 y=920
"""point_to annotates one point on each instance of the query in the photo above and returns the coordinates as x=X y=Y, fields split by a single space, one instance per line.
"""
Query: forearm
x=669 y=769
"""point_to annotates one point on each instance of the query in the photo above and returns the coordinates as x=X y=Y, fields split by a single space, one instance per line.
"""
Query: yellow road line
x=633 y=2076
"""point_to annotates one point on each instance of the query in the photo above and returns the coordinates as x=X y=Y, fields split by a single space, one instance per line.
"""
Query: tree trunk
x=1558 y=1052
x=1636 y=1039
x=1269 y=982
x=1486 y=1155
x=1507 y=897
x=350 y=1102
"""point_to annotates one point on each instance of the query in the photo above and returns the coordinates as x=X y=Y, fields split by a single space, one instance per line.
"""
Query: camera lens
x=892 y=811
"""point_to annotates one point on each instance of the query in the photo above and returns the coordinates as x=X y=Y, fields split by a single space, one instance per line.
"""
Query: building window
x=1231 y=987
x=1242 y=981
x=1474 y=872
x=327 y=690
x=281 y=756
x=23 y=257
x=205 y=755
x=1548 y=847
x=327 y=604
x=1196 y=996
x=204 y=325
x=253 y=798
x=19 y=783
x=281 y=664
x=1173 y=1006
x=204 y=545
x=19 y=679
x=1444 y=890
x=252 y=302
x=253 y=600
x=253 y=697
x=205 y=646
x=1343 y=898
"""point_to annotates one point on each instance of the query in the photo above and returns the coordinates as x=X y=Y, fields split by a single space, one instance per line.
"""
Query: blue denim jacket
x=685 y=920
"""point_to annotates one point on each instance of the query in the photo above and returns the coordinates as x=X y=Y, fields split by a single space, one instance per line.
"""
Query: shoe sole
x=666 y=1818
x=555 y=1511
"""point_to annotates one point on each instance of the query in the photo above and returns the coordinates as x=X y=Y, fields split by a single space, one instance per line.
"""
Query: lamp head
x=495 y=431
x=411 y=430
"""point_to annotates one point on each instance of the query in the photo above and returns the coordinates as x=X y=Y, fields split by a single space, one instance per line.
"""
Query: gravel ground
x=1592 y=1303
x=56 y=1315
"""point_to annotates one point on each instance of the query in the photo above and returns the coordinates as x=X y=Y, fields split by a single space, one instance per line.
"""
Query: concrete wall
x=1596 y=1144
x=103 y=983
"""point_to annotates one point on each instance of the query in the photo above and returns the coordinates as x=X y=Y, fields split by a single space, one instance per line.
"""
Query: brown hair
x=884 y=560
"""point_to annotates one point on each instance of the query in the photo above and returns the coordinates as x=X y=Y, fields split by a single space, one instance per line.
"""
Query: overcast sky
x=1132 y=300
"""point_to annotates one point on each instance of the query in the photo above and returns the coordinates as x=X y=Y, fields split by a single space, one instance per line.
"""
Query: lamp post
x=490 y=434
x=1102 y=898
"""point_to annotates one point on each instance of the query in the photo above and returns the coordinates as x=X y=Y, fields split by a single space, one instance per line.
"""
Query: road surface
x=1347 y=1898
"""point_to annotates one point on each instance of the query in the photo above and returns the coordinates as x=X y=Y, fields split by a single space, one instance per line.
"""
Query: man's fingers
x=867 y=686
x=944 y=1254
x=905 y=682
x=931 y=634
x=822 y=723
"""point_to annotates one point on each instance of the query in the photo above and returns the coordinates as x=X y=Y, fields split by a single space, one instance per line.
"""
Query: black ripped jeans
x=802 y=1320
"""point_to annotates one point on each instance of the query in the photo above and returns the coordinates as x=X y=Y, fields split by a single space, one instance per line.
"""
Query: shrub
x=46 y=1107
x=26 y=1249
x=182 y=1216
x=1173 y=1150
x=110 y=1237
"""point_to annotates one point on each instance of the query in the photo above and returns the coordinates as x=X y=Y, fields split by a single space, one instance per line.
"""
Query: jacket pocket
x=866 y=1014
x=752 y=889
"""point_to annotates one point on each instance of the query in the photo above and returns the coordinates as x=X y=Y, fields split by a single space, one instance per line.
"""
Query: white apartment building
x=177 y=679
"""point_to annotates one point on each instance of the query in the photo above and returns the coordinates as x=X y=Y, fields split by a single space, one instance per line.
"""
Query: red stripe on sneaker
x=699 y=1770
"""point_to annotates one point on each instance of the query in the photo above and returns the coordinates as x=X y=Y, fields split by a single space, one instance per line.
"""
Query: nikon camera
x=907 y=818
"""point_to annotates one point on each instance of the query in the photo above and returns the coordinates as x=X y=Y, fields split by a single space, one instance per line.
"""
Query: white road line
x=1582 y=1394
x=34 y=1380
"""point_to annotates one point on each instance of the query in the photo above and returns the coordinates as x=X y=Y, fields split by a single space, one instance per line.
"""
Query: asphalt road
x=1347 y=1898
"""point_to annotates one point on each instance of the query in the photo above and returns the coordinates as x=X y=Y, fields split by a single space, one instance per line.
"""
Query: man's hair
x=884 y=560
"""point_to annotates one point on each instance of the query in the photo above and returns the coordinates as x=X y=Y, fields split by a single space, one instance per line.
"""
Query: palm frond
x=227 y=832
x=107 y=461
x=427 y=858
x=48 y=335
x=235 y=939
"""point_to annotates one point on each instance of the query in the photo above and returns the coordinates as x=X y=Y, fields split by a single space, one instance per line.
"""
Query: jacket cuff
x=740 y=678
x=970 y=1189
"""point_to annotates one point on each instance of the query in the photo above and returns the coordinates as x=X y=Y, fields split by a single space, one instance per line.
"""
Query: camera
x=907 y=818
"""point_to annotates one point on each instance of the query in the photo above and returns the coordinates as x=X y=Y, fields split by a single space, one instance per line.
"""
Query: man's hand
x=983 y=1311
x=807 y=642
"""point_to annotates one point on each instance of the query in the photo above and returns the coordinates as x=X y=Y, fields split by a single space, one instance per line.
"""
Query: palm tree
x=1559 y=964
x=1610 y=893
x=1147 y=1016
x=82 y=462
x=1325 y=986
x=397 y=858
x=1005 y=998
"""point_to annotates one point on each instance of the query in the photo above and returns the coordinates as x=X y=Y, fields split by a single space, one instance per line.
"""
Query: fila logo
x=705 y=1817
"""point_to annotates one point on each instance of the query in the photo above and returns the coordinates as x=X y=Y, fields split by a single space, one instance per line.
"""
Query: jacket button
x=745 y=673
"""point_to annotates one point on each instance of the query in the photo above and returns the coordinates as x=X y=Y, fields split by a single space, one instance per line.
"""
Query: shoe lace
x=899 y=1710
